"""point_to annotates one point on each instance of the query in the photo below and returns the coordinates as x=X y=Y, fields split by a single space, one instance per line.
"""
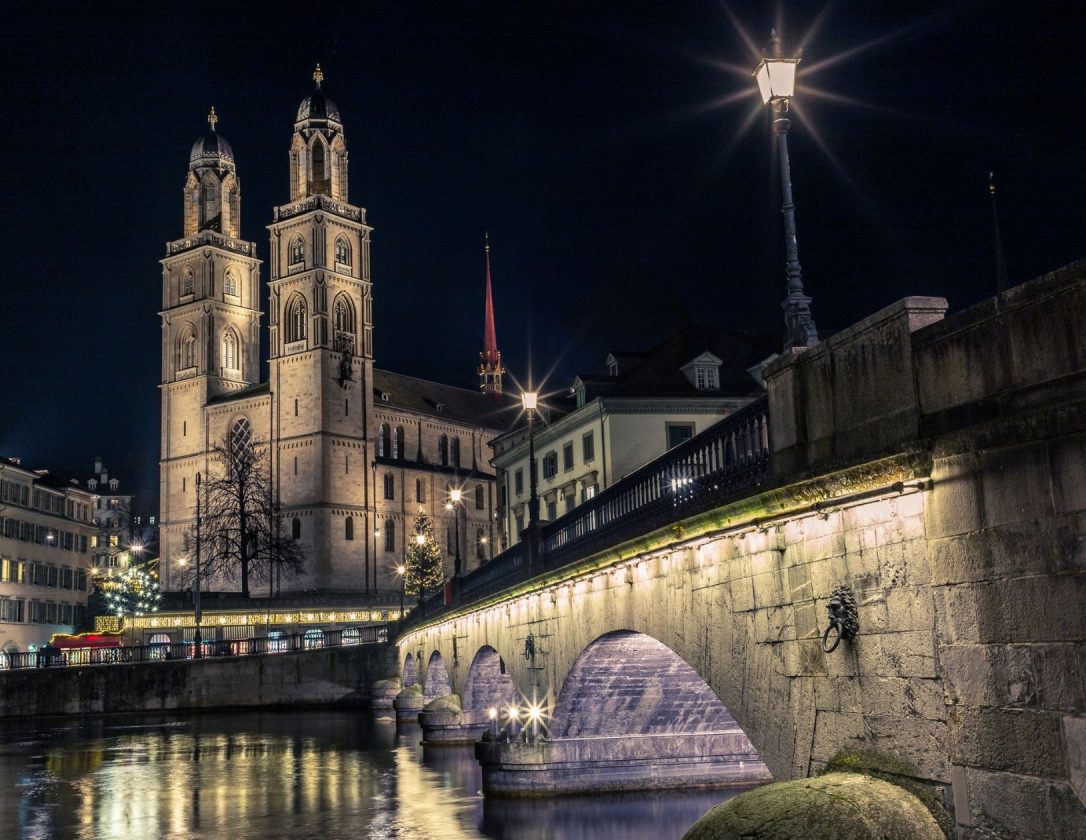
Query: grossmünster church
x=354 y=450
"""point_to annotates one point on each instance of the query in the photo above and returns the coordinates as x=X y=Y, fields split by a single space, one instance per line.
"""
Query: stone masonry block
x=799 y=584
x=954 y=504
x=1060 y=677
x=988 y=675
x=1015 y=740
x=918 y=742
x=907 y=654
x=1032 y=609
x=1016 y=484
x=956 y=614
x=1074 y=741
x=1005 y=806
x=742 y=591
x=960 y=558
x=910 y=608
x=1067 y=812
x=905 y=698
x=1067 y=466
x=1068 y=536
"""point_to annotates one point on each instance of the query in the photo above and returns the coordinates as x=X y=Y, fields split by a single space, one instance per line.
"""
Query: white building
x=113 y=516
x=613 y=424
x=45 y=557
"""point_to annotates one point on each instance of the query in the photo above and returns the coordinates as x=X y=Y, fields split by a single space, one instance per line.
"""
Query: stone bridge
x=670 y=630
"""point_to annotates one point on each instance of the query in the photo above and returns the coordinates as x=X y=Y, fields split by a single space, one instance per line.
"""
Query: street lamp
x=401 y=570
x=198 y=615
x=530 y=400
x=455 y=495
x=776 y=78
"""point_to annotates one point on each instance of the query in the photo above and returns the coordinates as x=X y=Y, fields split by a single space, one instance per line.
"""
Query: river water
x=297 y=775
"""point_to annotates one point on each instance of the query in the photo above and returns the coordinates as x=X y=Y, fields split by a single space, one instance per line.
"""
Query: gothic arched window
x=397 y=443
x=295 y=528
x=348 y=528
x=241 y=440
x=187 y=350
x=318 y=160
x=343 y=315
x=230 y=284
x=382 y=433
x=230 y=350
x=479 y=500
x=187 y=282
x=297 y=250
x=343 y=252
x=456 y=452
x=443 y=450
x=296 y=320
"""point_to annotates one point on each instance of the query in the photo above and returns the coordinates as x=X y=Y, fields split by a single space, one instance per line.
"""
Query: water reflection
x=272 y=775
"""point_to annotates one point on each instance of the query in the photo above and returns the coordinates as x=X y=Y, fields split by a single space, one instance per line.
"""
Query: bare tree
x=241 y=530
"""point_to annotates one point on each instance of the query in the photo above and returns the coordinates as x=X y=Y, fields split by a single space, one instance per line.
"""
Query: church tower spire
x=490 y=360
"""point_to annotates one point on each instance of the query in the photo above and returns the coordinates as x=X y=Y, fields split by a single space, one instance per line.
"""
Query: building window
x=348 y=528
x=455 y=451
x=297 y=251
x=81 y=580
x=550 y=464
x=382 y=441
x=443 y=450
x=420 y=493
x=187 y=283
x=230 y=350
x=397 y=442
x=705 y=378
x=390 y=535
x=571 y=500
x=479 y=500
x=518 y=482
x=188 y=348
x=343 y=316
x=567 y=457
x=241 y=440
x=52 y=576
x=230 y=284
x=588 y=448
x=679 y=432
x=296 y=320
x=295 y=528
x=343 y=252
x=520 y=523
x=66 y=577
x=480 y=544
x=588 y=493
x=552 y=510
x=390 y=486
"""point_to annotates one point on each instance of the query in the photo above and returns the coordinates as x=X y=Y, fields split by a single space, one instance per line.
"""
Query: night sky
x=620 y=203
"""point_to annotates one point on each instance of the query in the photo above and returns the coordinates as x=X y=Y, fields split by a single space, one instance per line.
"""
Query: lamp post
x=455 y=495
x=198 y=651
x=401 y=570
x=530 y=400
x=776 y=78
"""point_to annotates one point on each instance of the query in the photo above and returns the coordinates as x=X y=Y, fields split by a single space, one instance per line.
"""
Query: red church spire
x=490 y=360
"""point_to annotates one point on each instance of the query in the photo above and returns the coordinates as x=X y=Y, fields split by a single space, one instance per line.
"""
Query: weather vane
x=318 y=75
x=212 y=118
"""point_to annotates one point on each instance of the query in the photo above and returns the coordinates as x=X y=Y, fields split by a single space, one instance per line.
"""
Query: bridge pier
x=384 y=692
x=408 y=704
x=443 y=721
x=631 y=762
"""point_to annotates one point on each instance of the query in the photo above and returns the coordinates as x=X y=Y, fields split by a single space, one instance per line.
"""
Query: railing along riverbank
x=310 y=640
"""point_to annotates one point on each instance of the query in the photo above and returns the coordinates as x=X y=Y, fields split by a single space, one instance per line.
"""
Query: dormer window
x=705 y=378
x=440 y=407
x=704 y=372
x=385 y=396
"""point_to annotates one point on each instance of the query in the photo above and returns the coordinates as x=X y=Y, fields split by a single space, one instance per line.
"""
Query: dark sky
x=579 y=134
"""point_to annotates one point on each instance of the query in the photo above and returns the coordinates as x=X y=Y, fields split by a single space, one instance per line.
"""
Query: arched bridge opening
x=631 y=714
x=437 y=682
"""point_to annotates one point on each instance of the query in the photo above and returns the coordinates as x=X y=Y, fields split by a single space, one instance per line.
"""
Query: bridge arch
x=629 y=683
x=410 y=671
x=437 y=682
x=488 y=684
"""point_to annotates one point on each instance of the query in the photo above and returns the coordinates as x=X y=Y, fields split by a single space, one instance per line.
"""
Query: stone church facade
x=354 y=451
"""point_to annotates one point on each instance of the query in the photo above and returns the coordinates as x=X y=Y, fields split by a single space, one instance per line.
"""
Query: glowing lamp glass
x=455 y=495
x=492 y=713
x=776 y=78
x=513 y=713
x=529 y=399
x=420 y=539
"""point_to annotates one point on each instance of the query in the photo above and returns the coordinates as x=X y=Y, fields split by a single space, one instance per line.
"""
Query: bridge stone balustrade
x=934 y=465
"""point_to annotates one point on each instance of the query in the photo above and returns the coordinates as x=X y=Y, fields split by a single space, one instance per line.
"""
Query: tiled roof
x=492 y=411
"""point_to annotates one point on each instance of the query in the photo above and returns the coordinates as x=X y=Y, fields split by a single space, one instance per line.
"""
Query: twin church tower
x=354 y=451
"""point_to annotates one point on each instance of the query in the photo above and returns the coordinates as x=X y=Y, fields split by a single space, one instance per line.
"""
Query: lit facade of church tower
x=354 y=451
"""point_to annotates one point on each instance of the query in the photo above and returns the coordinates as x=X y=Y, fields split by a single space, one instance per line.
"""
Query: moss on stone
x=836 y=806
x=879 y=765
x=410 y=690
x=449 y=703
x=387 y=685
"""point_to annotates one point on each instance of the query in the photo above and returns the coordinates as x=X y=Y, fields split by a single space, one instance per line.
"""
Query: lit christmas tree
x=132 y=591
x=425 y=570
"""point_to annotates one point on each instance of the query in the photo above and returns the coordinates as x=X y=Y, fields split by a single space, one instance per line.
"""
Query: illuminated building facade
x=46 y=524
x=354 y=451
